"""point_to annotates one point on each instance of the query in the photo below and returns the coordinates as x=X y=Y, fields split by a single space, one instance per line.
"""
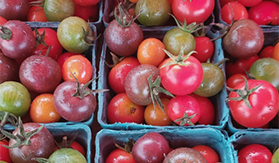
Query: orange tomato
x=150 y=51
x=36 y=13
x=42 y=109
x=157 y=117
x=79 y=66
x=133 y=1
x=275 y=54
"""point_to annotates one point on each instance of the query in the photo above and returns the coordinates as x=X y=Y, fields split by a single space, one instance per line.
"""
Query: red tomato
x=87 y=13
x=118 y=73
x=75 y=145
x=249 y=3
x=204 y=47
x=48 y=36
x=192 y=11
x=235 y=79
x=233 y=10
x=62 y=58
x=120 y=156
x=254 y=153
x=239 y=66
x=36 y=13
x=122 y=109
x=223 y=2
x=79 y=66
x=265 y=13
x=4 y=152
x=2 y=20
x=266 y=52
x=68 y=144
x=86 y=2
x=184 y=107
x=264 y=104
x=181 y=79
x=208 y=153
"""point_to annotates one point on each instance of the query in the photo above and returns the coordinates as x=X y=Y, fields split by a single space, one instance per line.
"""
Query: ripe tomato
x=4 y=152
x=36 y=14
x=2 y=20
x=223 y=2
x=264 y=103
x=65 y=143
x=233 y=10
x=267 y=52
x=235 y=79
x=87 y=13
x=47 y=38
x=86 y=2
x=254 y=153
x=157 y=117
x=192 y=10
x=275 y=54
x=248 y=3
x=204 y=48
x=120 y=156
x=150 y=51
x=208 y=153
x=122 y=109
x=184 y=110
x=62 y=58
x=42 y=109
x=79 y=66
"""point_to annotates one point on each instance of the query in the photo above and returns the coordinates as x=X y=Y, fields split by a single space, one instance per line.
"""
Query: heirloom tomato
x=233 y=11
x=57 y=10
x=36 y=14
x=184 y=154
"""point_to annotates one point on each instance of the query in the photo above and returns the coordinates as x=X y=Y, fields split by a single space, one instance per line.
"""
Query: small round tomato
x=120 y=156
x=86 y=2
x=122 y=109
x=79 y=66
x=275 y=54
x=58 y=10
x=87 y=13
x=235 y=79
x=42 y=109
x=233 y=10
x=157 y=117
x=150 y=51
x=204 y=48
x=208 y=153
x=70 y=144
x=36 y=13
x=267 y=52
x=249 y=3
x=62 y=58
x=4 y=152
x=223 y=2
x=254 y=153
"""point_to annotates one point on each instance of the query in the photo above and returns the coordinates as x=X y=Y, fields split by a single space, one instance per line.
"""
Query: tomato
x=120 y=156
x=263 y=101
x=72 y=32
x=36 y=14
x=248 y=3
x=233 y=10
x=4 y=152
x=122 y=109
x=275 y=54
x=71 y=144
x=57 y=10
x=47 y=39
x=14 y=98
x=2 y=20
x=150 y=51
x=118 y=73
x=254 y=153
x=62 y=58
x=79 y=66
x=266 y=52
x=156 y=116
x=265 y=13
x=15 y=9
x=239 y=66
x=183 y=77
x=153 y=12
x=208 y=153
x=275 y=156
x=9 y=69
x=86 y=2
x=42 y=109
x=184 y=154
x=87 y=13
x=235 y=79
x=204 y=48
x=192 y=10
x=184 y=110
x=66 y=155
x=223 y=2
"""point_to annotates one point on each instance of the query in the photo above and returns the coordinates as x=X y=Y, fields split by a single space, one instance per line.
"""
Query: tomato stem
x=5 y=33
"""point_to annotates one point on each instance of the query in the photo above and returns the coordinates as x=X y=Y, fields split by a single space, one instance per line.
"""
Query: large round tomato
x=192 y=10
x=264 y=104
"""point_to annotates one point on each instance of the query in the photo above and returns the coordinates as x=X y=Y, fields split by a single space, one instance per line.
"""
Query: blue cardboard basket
x=104 y=98
x=268 y=138
x=179 y=137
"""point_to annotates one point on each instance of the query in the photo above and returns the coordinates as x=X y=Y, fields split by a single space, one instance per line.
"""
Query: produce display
x=155 y=81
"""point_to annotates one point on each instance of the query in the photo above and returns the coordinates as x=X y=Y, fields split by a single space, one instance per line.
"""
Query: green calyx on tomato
x=7 y=117
x=191 y=28
x=127 y=146
x=6 y=33
x=186 y=119
x=122 y=15
x=177 y=59
x=243 y=94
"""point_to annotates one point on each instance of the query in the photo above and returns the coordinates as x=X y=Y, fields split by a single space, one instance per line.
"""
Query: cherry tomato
x=266 y=52
x=192 y=11
x=79 y=66
x=86 y=2
x=254 y=153
x=275 y=54
x=248 y=3
x=235 y=79
x=62 y=58
x=4 y=152
x=204 y=48
x=223 y=2
x=42 y=109
x=233 y=10
x=208 y=153
x=120 y=156
x=122 y=109
x=36 y=14
x=87 y=13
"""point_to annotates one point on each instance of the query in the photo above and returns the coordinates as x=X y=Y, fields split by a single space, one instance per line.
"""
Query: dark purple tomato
x=137 y=85
x=14 y=9
x=184 y=154
x=42 y=145
x=74 y=106
x=150 y=148
x=40 y=74
x=123 y=41
x=244 y=39
x=18 y=42
x=9 y=69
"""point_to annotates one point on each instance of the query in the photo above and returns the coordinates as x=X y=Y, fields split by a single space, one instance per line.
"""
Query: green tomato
x=153 y=12
x=275 y=156
x=14 y=98
x=266 y=69
x=67 y=155
x=71 y=33
x=57 y=10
